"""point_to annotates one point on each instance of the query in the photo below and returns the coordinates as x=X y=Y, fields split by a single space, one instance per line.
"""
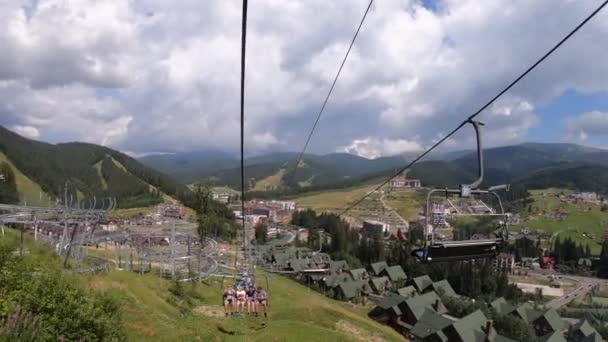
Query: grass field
x=600 y=300
x=296 y=314
x=581 y=218
x=29 y=191
x=407 y=203
x=332 y=200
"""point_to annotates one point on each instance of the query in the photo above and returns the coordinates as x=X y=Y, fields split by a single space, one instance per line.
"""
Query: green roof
x=430 y=323
x=553 y=319
x=595 y=337
x=338 y=265
x=527 y=313
x=359 y=273
x=418 y=304
x=351 y=288
x=469 y=328
x=500 y=338
x=585 y=328
x=335 y=279
x=392 y=299
x=422 y=282
x=395 y=273
x=552 y=337
x=445 y=287
x=380 y=283
x=502 y=307
x=378 y=267
x=407 y=292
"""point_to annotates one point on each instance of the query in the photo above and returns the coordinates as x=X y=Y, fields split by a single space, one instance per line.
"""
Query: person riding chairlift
x=241 y=296
x=229 y=300
x=261 y=298
x=250 y=299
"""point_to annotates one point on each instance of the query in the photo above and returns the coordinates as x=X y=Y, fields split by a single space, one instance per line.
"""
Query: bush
x=40 y=303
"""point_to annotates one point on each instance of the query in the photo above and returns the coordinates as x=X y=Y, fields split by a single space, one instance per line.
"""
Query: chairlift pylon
x=435 y=250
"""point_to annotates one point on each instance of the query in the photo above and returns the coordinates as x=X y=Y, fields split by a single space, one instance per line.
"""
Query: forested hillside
x=577 y=176
x=87 y=170
x=338 y=170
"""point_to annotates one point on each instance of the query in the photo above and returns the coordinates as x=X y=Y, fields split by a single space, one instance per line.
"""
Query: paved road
x=584 y=285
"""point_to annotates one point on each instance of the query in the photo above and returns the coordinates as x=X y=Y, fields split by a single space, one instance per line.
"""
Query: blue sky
x=568 y=105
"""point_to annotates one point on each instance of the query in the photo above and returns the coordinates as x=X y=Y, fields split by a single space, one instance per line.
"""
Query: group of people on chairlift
x=243 y=295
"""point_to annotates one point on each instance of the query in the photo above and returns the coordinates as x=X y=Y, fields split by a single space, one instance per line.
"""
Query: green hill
x=153 y=313
x=88 y=170
x=28 y=190
x=576 y=176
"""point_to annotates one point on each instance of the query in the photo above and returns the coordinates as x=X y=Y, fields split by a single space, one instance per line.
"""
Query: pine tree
x=8 y=185
x=602 y=271
x=587 y=251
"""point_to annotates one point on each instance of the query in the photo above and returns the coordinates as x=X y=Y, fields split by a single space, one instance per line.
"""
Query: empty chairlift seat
x=459 y=250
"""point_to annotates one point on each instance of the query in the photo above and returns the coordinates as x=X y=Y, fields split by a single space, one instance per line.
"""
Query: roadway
x=583 y=286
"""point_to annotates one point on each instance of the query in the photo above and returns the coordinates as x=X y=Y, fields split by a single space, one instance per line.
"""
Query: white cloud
x=590 y=124
x=373 y=148
x=27 y=131
x=154 y=75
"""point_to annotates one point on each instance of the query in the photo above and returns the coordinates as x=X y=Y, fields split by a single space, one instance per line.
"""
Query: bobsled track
x=76 y=236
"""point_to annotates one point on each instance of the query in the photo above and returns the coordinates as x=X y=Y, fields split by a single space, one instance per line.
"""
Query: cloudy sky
x=163 y=76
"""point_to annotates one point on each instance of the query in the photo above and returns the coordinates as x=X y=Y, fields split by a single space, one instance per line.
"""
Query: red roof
x=548 y=260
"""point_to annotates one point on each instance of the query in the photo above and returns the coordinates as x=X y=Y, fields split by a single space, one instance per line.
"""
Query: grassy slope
x=28 y=189
x=297 y=314
x=104 y=184
x=580 y=219
x=270 y=182
x=407 y=203
x=332 y=200
x=151 y=313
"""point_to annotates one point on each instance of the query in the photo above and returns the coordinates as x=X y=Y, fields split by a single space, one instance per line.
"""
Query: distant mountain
x=274 y=171
x=191 y=166
x=571 y=175
x=87 y=170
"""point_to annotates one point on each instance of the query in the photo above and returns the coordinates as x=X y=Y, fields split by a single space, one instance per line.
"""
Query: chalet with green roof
x=395 y=274
x=380 y=285
x=351 y=290
x=415 y=307
x=552 y=337
x=387 y=309
x=422 y=283
x=502 y=307
x=468 y=328
x=333 y=280
x=583 y=331
x=377 y=268
x=359 y=274
x=527 y=313
x=430 y=326
x=549 y=322
x=444 y=288
x=407 y=292
x=338 y=266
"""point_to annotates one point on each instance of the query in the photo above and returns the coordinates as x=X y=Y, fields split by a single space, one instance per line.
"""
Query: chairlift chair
x=435 y=250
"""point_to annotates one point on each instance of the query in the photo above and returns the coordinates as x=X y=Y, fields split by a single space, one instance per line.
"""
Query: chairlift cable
x=475 y=114
x=331 y=89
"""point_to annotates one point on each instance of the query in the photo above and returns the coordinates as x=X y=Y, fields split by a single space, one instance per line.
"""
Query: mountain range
x=41 y=173
x=274 y=171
